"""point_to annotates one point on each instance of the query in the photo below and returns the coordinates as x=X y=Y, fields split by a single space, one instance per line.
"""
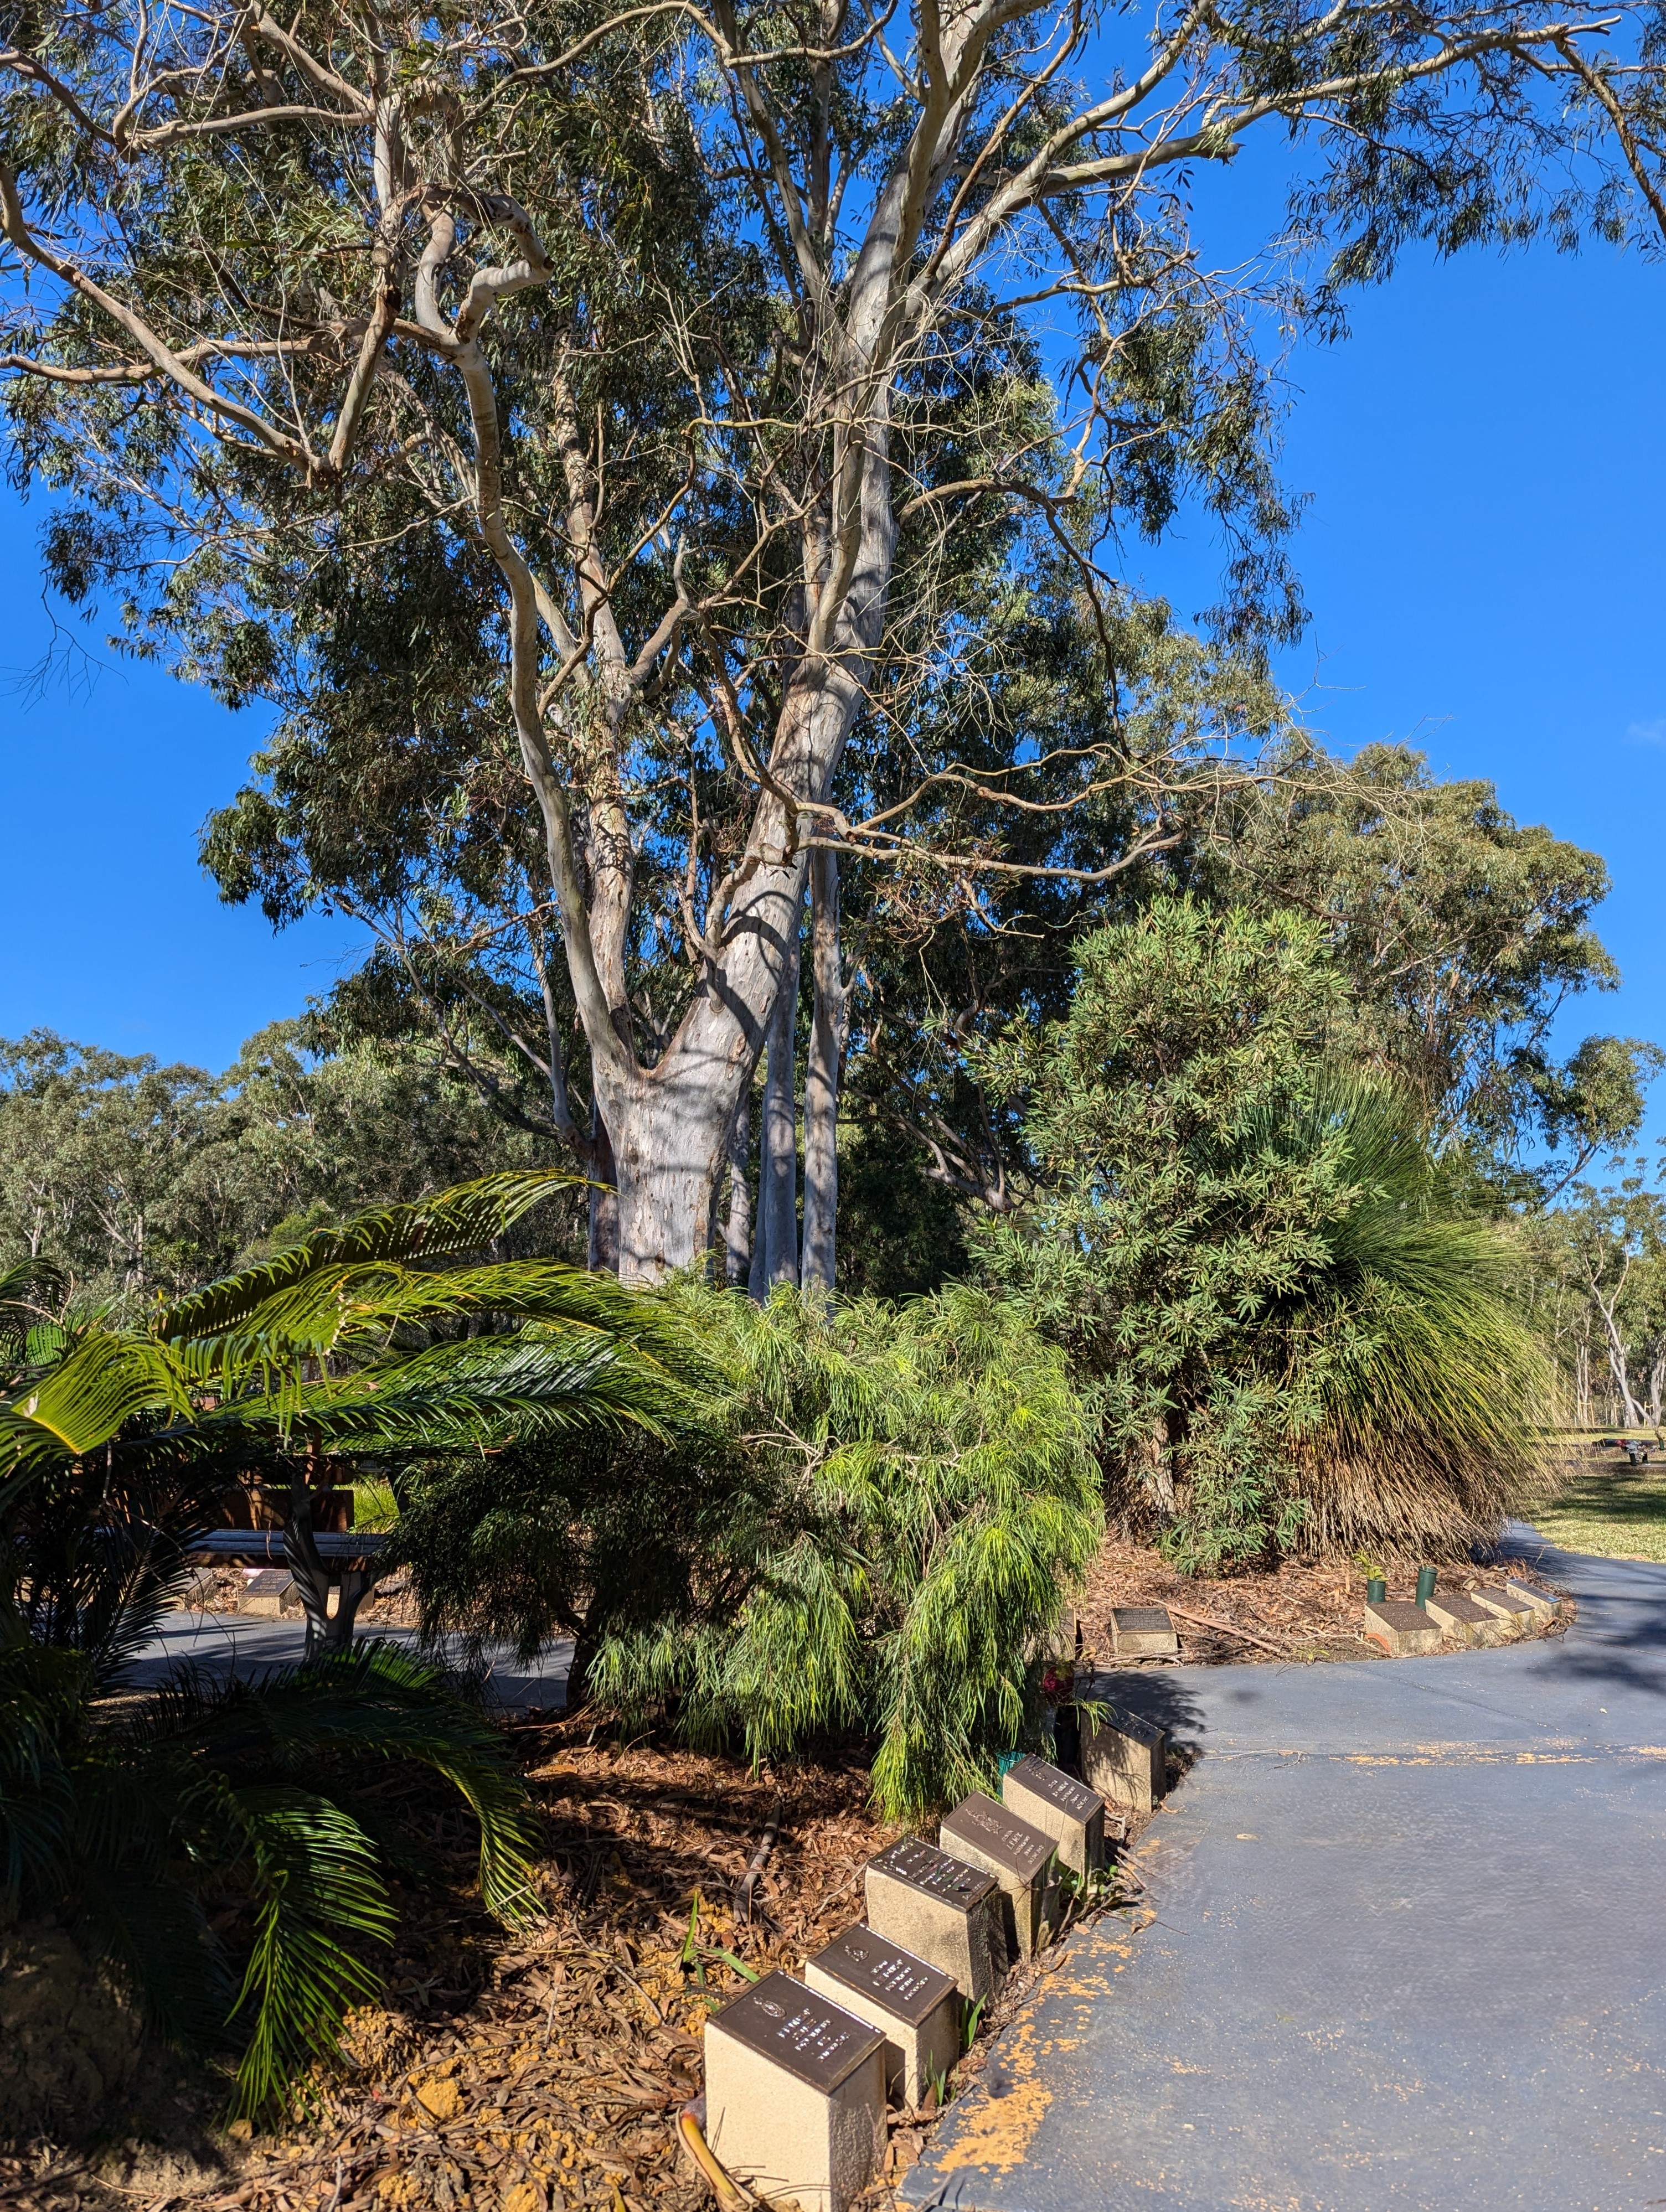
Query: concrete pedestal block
x=1539 y=1603
x=1143 y=1631
x=1462 y=1619
x=942 y=1910
x=915 y=2006
x=1401 y=1628
x=1060 y=1806
x=270 y=1595
x=1022 y=1860
x=1506 y=1607
x=795 y=2094
x=1122 y=1758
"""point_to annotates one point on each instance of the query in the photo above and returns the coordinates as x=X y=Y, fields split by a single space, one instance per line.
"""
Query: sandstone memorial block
x=941 y=1909
x=1504 y=1606
x=270 y=1594
x=1023 y=1860
x=1060 y=1806
x=795 y=2094
x=1539 y=1602
x=915 y=2007
x=1401 y=1628
x=1461 y=1617
x=1143 y=1631
x=1122 y=1758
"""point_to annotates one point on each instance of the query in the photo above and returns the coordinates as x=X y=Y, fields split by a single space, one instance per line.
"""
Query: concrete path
x=1405 y=1946
x=235 y=1644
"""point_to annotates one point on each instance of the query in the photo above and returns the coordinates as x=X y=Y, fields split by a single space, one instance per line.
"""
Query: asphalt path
x=224 y=1643
x=1403 y=1945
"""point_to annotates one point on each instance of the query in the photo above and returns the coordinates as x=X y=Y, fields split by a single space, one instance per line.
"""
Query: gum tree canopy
x=675 y=368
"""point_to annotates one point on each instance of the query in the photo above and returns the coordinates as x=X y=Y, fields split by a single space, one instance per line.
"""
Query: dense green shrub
x=870 y=1531
x=1300 y=1336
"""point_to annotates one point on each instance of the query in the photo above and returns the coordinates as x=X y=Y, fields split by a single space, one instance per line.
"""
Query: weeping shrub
x=867 y=1531
x=941 y=1458
x=1301 y=1338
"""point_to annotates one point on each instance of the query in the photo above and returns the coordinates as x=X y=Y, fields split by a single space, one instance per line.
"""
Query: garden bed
x=544 y=2073
x=1300 y=1611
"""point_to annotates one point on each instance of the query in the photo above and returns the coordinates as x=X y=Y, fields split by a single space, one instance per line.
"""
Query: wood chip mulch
x=544 y=2072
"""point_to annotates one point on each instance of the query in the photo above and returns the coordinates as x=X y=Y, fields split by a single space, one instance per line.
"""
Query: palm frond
x=462 y=1219
x=107 y=1380
x=318 y=1899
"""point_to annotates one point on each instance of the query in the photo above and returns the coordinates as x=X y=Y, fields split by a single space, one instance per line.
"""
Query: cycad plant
x=223 y=1845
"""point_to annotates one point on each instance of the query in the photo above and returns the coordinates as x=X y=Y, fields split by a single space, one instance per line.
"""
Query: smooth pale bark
x=778 y=1150
x=828 y=1030
x=670 y=1122
x=737 y=1228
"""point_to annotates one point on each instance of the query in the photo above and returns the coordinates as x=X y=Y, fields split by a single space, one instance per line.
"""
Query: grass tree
x=1303 y=1336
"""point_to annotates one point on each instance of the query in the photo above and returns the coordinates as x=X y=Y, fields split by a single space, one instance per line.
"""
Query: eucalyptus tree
x=1464 y=935
x=686 y=353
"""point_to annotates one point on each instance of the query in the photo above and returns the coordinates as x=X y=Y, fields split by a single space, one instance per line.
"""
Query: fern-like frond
x=451 y=1223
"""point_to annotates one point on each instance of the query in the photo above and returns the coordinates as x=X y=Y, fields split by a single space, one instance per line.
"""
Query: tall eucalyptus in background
x=688 y=372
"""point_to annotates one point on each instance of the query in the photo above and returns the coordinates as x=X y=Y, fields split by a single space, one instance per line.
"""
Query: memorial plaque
x=270 y=1593
x=868 y=1965
x=1006 y=1844
x=1122 y=1758
x=1143 y=1631
x=1461 y=1617
x=942 y=1910
x=1538 y=1601
x=1062 y=1808
x=1401 y=1628
x=1023 y=1860
x=923 y=1867
x=1504 y=1607
x=915 y=2007
x=795 y=2094
x=800 y=2030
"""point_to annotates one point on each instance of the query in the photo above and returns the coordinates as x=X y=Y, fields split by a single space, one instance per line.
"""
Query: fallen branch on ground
x=1229 y=1628
x=747 y=1887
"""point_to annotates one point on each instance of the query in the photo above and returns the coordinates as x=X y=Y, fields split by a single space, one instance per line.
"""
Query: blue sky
x=1487 y=461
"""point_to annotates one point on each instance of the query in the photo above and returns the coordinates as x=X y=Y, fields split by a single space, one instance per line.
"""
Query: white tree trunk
x=778 y=1150
x=828 y=1032
x=738 y=1229
x=1632 y=1417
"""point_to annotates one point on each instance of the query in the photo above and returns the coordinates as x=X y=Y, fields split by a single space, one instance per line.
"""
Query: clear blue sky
x=1487 y=457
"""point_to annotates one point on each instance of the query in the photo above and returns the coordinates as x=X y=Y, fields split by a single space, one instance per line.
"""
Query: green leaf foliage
x=220 y=1843
x=1300 y=1335
x=933 y=1492
x=209 y=1840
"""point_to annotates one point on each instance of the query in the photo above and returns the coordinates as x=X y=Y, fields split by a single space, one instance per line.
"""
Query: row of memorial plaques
x=798 y=2073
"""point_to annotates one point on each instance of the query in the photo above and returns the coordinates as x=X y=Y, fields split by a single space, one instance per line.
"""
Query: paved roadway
x=229 y=1642
x=1405 y=1948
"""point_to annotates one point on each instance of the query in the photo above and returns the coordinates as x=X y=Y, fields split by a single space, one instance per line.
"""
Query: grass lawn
x=1600 y=1507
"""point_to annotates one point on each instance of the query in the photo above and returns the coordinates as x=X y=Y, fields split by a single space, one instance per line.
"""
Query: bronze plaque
x=923 y=1867
x=1071 y=1797
x=802 y=2030
x=903 y=1984
x=1000 y=1835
